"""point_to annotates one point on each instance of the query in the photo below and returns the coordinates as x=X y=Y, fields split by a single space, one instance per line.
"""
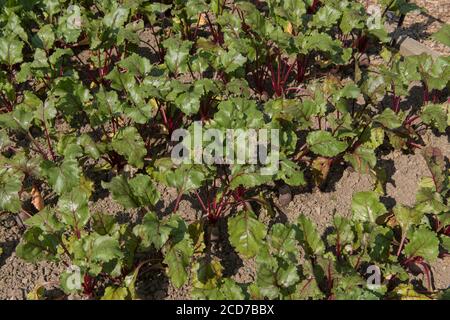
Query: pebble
x=285 y=196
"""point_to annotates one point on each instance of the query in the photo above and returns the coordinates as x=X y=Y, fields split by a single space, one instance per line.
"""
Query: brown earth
x=421 y=24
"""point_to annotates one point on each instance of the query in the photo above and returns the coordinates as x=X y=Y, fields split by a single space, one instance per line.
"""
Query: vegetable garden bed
x=93 y=207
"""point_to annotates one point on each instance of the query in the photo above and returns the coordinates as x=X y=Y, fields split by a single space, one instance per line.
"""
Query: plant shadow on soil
x=8 y=247
x=419 y=30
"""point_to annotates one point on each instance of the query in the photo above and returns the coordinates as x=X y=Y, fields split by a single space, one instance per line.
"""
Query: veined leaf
x=324 y=144
x=246 y=233
x=129 y=143
x=366 y=206
x=423 y=243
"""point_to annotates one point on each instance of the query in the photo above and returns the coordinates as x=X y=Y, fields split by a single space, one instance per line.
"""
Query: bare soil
x=421 y=24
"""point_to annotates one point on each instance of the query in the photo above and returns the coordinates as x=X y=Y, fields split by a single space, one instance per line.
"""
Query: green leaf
x=423 y=243
x=366 y=206
x=351 y=19
x=106 y=248
x=134 y=193
x=343 y=232
x=129 y=143
x=153 y=231
x=308 y=236
x=10 y=185
x=266 y=282
x=185 y=178
x=5 y=140
x=444 y=218
x=73 y=207
x=445 y=242
x=291 y=173
x=121 y=81
x=130 y=32
x=62 y=178
x=36 y=245
x=103 y=223
x=324 y=144
x=246 y=233
x=282 y=239
x=376 y=138
x=388 y=119
x=436 y=115
x=13 y=26
x=178 y=259
x=227 y=290
x=207 y=273
x=143 y=190
x=189 y=101
x=325 y=43
x=238 y=113
x=325 y=17
x=115 y=293
x=287 y=274
x=407 y=217
x=231 y=60
x=309 y=289
x=177 y=54
x=196 y=231
x=42 y=111
x=429 y=201
x=20 y=119
x=70 y=96
x=137 y=65
x=10 y=51
x=105 y=105
x=362 y=159
x=45 y=37
x=443 y=35
x=70 y=24
x=140 y=112
x=45 y=219
x=116 y=18
x=89 y=146
x=249 y=180
x=380 y=243
x=68 y=147
x=349 y=91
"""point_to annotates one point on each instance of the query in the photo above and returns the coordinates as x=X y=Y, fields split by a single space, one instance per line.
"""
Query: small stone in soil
x=285 y=195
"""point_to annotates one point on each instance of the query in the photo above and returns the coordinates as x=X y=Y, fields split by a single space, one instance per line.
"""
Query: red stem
x=52 y=153
x=201 y=202
x=330 y=280
x=177 y=201
x=400 y=247
x=427 y=275
x=426 y=93
x=411 y=119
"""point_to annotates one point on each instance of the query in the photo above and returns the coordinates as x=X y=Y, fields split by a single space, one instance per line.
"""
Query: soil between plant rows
x=421 y=25
x=17 y=277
